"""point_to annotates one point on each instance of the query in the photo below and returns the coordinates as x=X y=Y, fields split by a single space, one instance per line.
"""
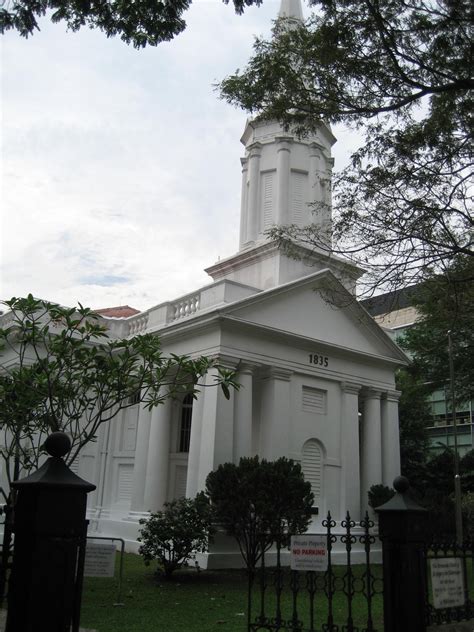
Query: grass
x=208 y=601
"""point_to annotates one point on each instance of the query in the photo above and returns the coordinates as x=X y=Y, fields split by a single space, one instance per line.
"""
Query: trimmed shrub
x=174 y=535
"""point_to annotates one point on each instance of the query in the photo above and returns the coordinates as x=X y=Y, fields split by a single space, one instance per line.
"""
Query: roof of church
x=122 y=311
x=391 y=301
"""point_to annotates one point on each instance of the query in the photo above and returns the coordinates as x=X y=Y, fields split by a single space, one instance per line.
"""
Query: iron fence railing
x=6 y=550
x=345 y=597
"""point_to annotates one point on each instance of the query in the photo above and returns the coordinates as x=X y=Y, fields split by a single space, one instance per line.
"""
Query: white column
x=254 y=191
x=217 y=429
x=276 y=410
x=156 y=482
x=390 y=437
x=314 y=179
x=326 y=195
x=371 y=445
x=243 y=413
x=350 y=493
x=141 y=456
x=283 y=180
x=244 y=203
x=195 y=442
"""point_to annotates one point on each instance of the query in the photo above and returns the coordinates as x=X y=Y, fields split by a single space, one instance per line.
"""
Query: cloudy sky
x=120 y=171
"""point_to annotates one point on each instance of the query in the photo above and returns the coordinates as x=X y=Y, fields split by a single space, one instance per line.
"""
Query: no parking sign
x=309 y=553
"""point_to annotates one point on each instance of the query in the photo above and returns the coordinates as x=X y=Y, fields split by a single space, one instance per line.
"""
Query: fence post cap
x=401 y=501
x=401 y=484
x=57 y=444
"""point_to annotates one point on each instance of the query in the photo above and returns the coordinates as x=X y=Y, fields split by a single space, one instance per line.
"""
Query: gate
x=346 y=597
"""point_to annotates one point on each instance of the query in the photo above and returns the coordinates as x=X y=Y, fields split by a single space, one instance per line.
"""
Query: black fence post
x=49 y=527
x=402 y=530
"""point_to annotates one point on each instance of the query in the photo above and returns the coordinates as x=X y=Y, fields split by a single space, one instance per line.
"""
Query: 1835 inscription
x=318 y=360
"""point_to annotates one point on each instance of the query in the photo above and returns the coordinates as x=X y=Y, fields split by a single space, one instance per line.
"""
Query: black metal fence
x=345 y=597
x=449 y=582
x=6 y=550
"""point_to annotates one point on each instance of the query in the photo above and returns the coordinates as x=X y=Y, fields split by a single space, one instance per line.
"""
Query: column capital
x=350 y=387
x=278 y=373
x=244 y=162
x=392 y=396
x=315 y=149
x=254 y=150
x=248 y=367
x=371 y=393
x=284 y=143
x=228 y=362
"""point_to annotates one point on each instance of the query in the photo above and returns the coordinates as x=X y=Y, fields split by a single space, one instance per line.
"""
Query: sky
x=120 y=169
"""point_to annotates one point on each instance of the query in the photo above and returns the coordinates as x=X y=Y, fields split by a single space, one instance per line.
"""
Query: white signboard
x=309 y=553
x=100 y=560
x=447 y=582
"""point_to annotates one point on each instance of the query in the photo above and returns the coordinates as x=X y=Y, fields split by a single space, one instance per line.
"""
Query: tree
x=379 y=495
x=259 y=502
x=400 y=72
x=414 y=418
x=61 y=371
x=445 y=303
x=173 y=536
x=139 y=23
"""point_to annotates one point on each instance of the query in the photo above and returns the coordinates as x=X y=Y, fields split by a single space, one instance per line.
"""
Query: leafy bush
x=379 y=495
x=258 y=502
x=467 y=505
x=466 y=466
x=174 y=535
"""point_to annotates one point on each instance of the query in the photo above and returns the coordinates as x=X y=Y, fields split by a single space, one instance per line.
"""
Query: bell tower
x=286 y=179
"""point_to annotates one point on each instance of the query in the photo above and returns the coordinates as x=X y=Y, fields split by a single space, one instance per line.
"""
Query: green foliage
x=445 y=304
x=400 y=73
x=173 y=536
x=60 y=371
x=434 y=489
x=379 y=495
x=414 y=417
x=260 y=501
x=467 y=506
x=466 y=468
x=139 y=23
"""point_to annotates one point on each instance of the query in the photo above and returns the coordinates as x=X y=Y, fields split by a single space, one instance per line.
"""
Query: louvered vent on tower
x=267 y=201
x=299 y=183
x=312 y=466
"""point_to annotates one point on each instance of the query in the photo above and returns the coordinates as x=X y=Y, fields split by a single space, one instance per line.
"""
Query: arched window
x=312 y=466
x=184 y=435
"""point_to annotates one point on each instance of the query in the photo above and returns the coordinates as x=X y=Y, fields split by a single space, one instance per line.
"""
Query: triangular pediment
x=302 y=308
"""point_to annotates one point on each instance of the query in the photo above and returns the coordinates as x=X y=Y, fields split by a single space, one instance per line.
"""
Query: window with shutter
x=312 y=466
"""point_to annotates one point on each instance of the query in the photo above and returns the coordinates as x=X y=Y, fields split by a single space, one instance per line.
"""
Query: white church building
x=317 y=381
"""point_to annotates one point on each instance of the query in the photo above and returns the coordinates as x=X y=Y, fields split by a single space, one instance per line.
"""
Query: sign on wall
x=447 y=582
x=309 y=553
x=100 y=560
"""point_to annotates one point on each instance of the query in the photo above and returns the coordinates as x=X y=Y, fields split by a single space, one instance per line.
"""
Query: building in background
x=394 y=311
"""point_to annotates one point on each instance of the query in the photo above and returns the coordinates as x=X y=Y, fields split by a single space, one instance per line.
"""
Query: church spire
x=291 y=9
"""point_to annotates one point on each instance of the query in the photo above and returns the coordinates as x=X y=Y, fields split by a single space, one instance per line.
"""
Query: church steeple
x=286 y=179
x=291 y=9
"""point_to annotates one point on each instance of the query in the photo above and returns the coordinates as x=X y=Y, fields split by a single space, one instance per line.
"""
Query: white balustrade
x=186 y=306
x=138 y=324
